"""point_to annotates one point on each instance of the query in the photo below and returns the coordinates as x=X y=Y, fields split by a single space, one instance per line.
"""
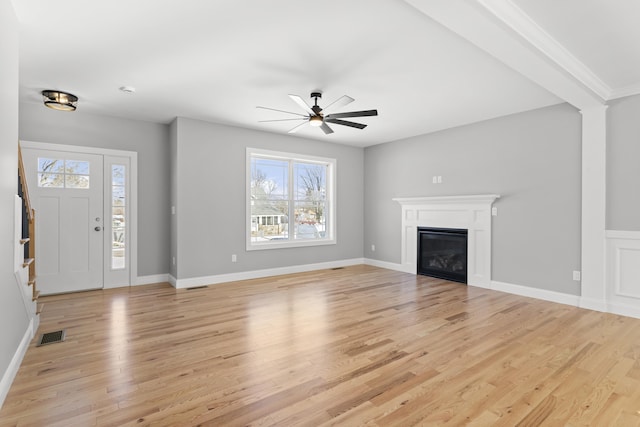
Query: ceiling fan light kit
x=61 y=101
x=315 y=121
x=317 y=117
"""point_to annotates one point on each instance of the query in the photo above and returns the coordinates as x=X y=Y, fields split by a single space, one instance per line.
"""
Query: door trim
x=133 y=159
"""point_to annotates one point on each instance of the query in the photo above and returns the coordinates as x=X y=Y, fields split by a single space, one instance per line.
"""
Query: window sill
x=288 y=244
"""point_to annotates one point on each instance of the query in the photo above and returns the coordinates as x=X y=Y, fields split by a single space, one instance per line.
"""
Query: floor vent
x=52 y=337
x=337 y=268
x=197 y=287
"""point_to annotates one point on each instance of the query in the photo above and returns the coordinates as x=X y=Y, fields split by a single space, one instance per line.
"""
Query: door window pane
x=117 y=175
x=77 y=167
x=46 y=164
x=118 y=194
x=54 y=180
x=60 y=173
x=76 y=181
x=118 y=217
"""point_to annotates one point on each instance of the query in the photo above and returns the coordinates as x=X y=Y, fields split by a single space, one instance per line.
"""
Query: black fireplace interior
x=442 y=253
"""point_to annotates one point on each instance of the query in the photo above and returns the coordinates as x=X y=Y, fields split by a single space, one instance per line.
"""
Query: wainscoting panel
x=623 y=272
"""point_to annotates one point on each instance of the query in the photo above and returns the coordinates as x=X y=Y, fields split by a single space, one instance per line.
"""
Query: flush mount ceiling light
x=60 y=100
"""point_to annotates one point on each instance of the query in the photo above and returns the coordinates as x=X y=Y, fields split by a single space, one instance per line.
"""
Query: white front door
x=66 y=190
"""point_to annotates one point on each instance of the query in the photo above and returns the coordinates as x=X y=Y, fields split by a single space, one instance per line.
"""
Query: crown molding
x=630 y=90
x=480 y=23
x=523 y=25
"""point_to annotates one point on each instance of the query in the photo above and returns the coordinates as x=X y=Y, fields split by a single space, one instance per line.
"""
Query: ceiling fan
x=316 y=116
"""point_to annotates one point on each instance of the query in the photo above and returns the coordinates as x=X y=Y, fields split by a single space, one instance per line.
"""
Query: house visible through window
x=290 y=200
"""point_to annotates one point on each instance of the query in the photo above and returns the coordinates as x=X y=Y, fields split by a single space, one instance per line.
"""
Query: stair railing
x=30 y=240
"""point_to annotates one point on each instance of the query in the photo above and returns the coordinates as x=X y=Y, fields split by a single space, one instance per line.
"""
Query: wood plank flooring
x=349 y=347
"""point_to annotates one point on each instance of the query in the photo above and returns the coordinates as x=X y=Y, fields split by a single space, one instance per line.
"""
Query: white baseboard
x=257 y=274
x=543 y=294
x=623 y=309
x=593 y=304
x=155 y=278
x=389 y=265
x=526 y=291
x=12 y=369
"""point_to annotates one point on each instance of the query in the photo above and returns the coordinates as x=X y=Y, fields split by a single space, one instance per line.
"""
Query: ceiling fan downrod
x=316 y=108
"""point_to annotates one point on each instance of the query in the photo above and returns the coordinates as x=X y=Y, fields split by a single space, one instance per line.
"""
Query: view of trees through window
x=118 y=223
x=60 y=173
x=288 y=199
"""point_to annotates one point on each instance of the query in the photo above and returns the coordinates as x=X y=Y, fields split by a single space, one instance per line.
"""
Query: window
x=60 y=173
x=290 y=200
x=118 y=217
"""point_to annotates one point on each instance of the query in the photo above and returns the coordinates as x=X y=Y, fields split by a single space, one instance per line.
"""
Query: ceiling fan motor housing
x=316 y=109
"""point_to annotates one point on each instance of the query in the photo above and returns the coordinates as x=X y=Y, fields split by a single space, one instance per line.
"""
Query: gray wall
x=532 y=159
x=623 y=170
x=149 y=140
x=211 y=200
x=13 y=315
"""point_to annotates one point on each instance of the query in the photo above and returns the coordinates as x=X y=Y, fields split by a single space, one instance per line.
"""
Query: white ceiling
x=426 y=65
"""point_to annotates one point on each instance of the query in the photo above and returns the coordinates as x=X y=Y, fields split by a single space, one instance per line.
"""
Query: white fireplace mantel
x=472 y=213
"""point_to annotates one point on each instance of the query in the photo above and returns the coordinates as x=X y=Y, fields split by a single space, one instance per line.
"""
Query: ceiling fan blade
x=352 y=114
x=302 y=104
x=346 y=123
x=282 y=111
x=298 y=127
x=325 y=128
x=339 y=103
x=282 y=120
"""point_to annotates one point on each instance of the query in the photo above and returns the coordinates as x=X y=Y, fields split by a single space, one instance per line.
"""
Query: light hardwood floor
x=353 y=346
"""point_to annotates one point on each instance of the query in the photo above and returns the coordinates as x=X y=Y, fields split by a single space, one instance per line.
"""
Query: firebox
x=442 y=253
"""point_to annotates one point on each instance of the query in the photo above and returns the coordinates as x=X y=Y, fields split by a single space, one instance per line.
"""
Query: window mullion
x=291 y=221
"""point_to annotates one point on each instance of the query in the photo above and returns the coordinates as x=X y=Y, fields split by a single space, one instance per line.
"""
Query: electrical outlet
x=439 y=179
x=576 y=276
x=434 y=179
x=174 y=260
x=173 y=210
x=373 y=248
x=234 y=258
x=494 y=211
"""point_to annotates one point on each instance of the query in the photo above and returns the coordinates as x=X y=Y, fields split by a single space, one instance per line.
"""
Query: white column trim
x=594 y=205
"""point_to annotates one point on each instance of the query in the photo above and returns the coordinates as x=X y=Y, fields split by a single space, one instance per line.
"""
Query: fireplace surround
x=471 y=213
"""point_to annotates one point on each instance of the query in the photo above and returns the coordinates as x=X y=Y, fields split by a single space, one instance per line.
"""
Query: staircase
x=25 y=231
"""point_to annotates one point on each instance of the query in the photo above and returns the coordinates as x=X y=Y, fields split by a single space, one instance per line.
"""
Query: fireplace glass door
x=442 y=253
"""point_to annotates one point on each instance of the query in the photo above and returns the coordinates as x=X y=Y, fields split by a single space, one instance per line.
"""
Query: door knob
x=98 y=228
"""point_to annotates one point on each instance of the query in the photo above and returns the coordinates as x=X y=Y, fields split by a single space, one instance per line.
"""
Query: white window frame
x=331 y=201
x=117 y=276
